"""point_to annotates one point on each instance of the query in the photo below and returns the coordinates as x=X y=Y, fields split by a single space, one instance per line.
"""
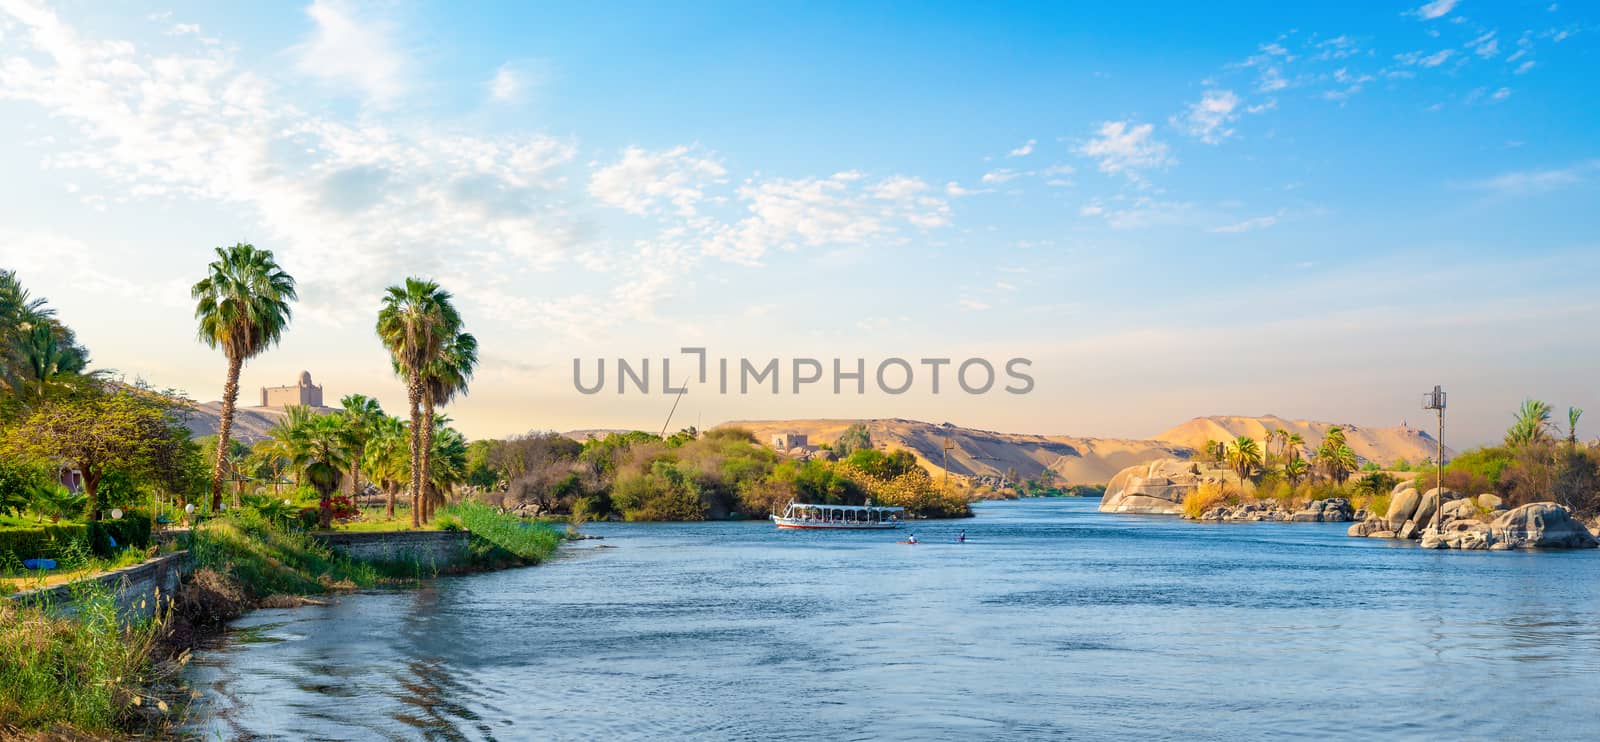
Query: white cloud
x=1126 y=148
x=955 y=190
x=1527 y=182
x=641 y=181
x=1003 y=286
x=1418 y=59
x=1211 y=117
x=841 y=210
x=1023 y=151
x=1486 y=46
x=1524 y=68
x=1435 y=9
x=1271 y=81
x=351 y=50
x=504 y=86
x=1248 y=225
x=1501 y=94
x=996 y=177
x=974 y=305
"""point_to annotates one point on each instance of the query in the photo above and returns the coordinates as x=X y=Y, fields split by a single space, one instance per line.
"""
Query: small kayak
x=913 y=543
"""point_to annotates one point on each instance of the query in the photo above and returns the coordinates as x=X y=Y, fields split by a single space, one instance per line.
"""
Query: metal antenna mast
x=1435 y=400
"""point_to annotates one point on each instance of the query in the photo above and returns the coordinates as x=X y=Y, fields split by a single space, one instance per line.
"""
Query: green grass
x=87 y=672
x=373 y=520
x=268 y=560
x=526 y=541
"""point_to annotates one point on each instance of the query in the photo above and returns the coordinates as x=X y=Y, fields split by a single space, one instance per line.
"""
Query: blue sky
x=1175 y=210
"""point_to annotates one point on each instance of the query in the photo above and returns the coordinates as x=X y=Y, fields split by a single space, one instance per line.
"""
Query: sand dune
x=1382 y=445
x=985 y=453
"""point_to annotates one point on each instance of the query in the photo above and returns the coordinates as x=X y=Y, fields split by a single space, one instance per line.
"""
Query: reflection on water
x=1051 y=621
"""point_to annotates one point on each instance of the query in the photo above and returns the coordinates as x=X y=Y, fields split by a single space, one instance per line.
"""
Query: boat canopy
x=853 y=508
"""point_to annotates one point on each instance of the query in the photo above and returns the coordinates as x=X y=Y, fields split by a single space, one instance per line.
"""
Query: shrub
x=133 y=530
x=1206 y=497
x=40 y=541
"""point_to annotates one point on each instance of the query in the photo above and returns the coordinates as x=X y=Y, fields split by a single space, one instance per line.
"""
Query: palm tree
x=1244 y=456
x=446 y=377
x=1282 y=436
x=321 y=452
x=1573 y=413
x=243 y=308
x=1531 y=424
x=384 y=459
x=361 y=415
x=1335 y=456
x=449 y=460
x=1292 y=443
x=414 y=323
x=1294 y=470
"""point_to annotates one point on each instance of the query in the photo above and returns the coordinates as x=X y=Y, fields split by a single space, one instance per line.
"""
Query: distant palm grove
x=1540 y=459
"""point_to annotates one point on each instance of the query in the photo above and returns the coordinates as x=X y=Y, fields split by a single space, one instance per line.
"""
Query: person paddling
x=961 y=539
x=912 y=539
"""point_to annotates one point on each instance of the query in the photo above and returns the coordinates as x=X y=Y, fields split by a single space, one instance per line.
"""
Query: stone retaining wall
x=137 y=589
x=436 y=548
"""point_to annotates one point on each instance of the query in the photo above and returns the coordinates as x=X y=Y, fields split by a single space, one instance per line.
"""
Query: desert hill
x=985 y=453
x=989 y=454
x=250 y=424
x=1381 y=445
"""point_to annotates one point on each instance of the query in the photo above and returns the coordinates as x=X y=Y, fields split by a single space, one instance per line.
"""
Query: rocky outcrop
x=1401 y=505
x=1331 y=510
x=1542 y=525
x=1482 y=523
x=1157 y=487
x=1250 y=511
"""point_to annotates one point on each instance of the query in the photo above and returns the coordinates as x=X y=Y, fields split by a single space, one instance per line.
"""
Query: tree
x=1244 y=456
x=414 y=323
x=361 y=415
x=853 y=438
x=320 y=450
x=243 y=308
x=122 y=430
x=1530 y=425
x=446 y=376
x=1335 y=457
x=384 y=459
x=1292 y=443
x=1573 y=413
x=38 y=354
x=1295 y=470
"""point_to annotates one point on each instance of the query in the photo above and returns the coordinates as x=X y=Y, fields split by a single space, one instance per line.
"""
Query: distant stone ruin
x=303 y=393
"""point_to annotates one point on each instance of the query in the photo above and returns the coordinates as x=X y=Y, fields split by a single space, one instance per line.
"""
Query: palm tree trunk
x=230 y=396
x=388 y=489
x=414 y=392
x=427 y=453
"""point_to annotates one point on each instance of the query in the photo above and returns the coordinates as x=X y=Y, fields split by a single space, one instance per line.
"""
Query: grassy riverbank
x=92 y=674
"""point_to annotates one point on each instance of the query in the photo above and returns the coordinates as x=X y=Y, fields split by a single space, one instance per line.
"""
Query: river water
x=1052 y=621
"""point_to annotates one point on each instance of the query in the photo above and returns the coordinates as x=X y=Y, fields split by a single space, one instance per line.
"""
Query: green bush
x=41 y=541
x=132 y=530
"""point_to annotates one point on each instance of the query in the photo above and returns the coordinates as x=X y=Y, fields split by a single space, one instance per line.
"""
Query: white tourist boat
x=866 y=517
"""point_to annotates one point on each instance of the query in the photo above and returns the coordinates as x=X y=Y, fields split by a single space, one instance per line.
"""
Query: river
x=1052 y=621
